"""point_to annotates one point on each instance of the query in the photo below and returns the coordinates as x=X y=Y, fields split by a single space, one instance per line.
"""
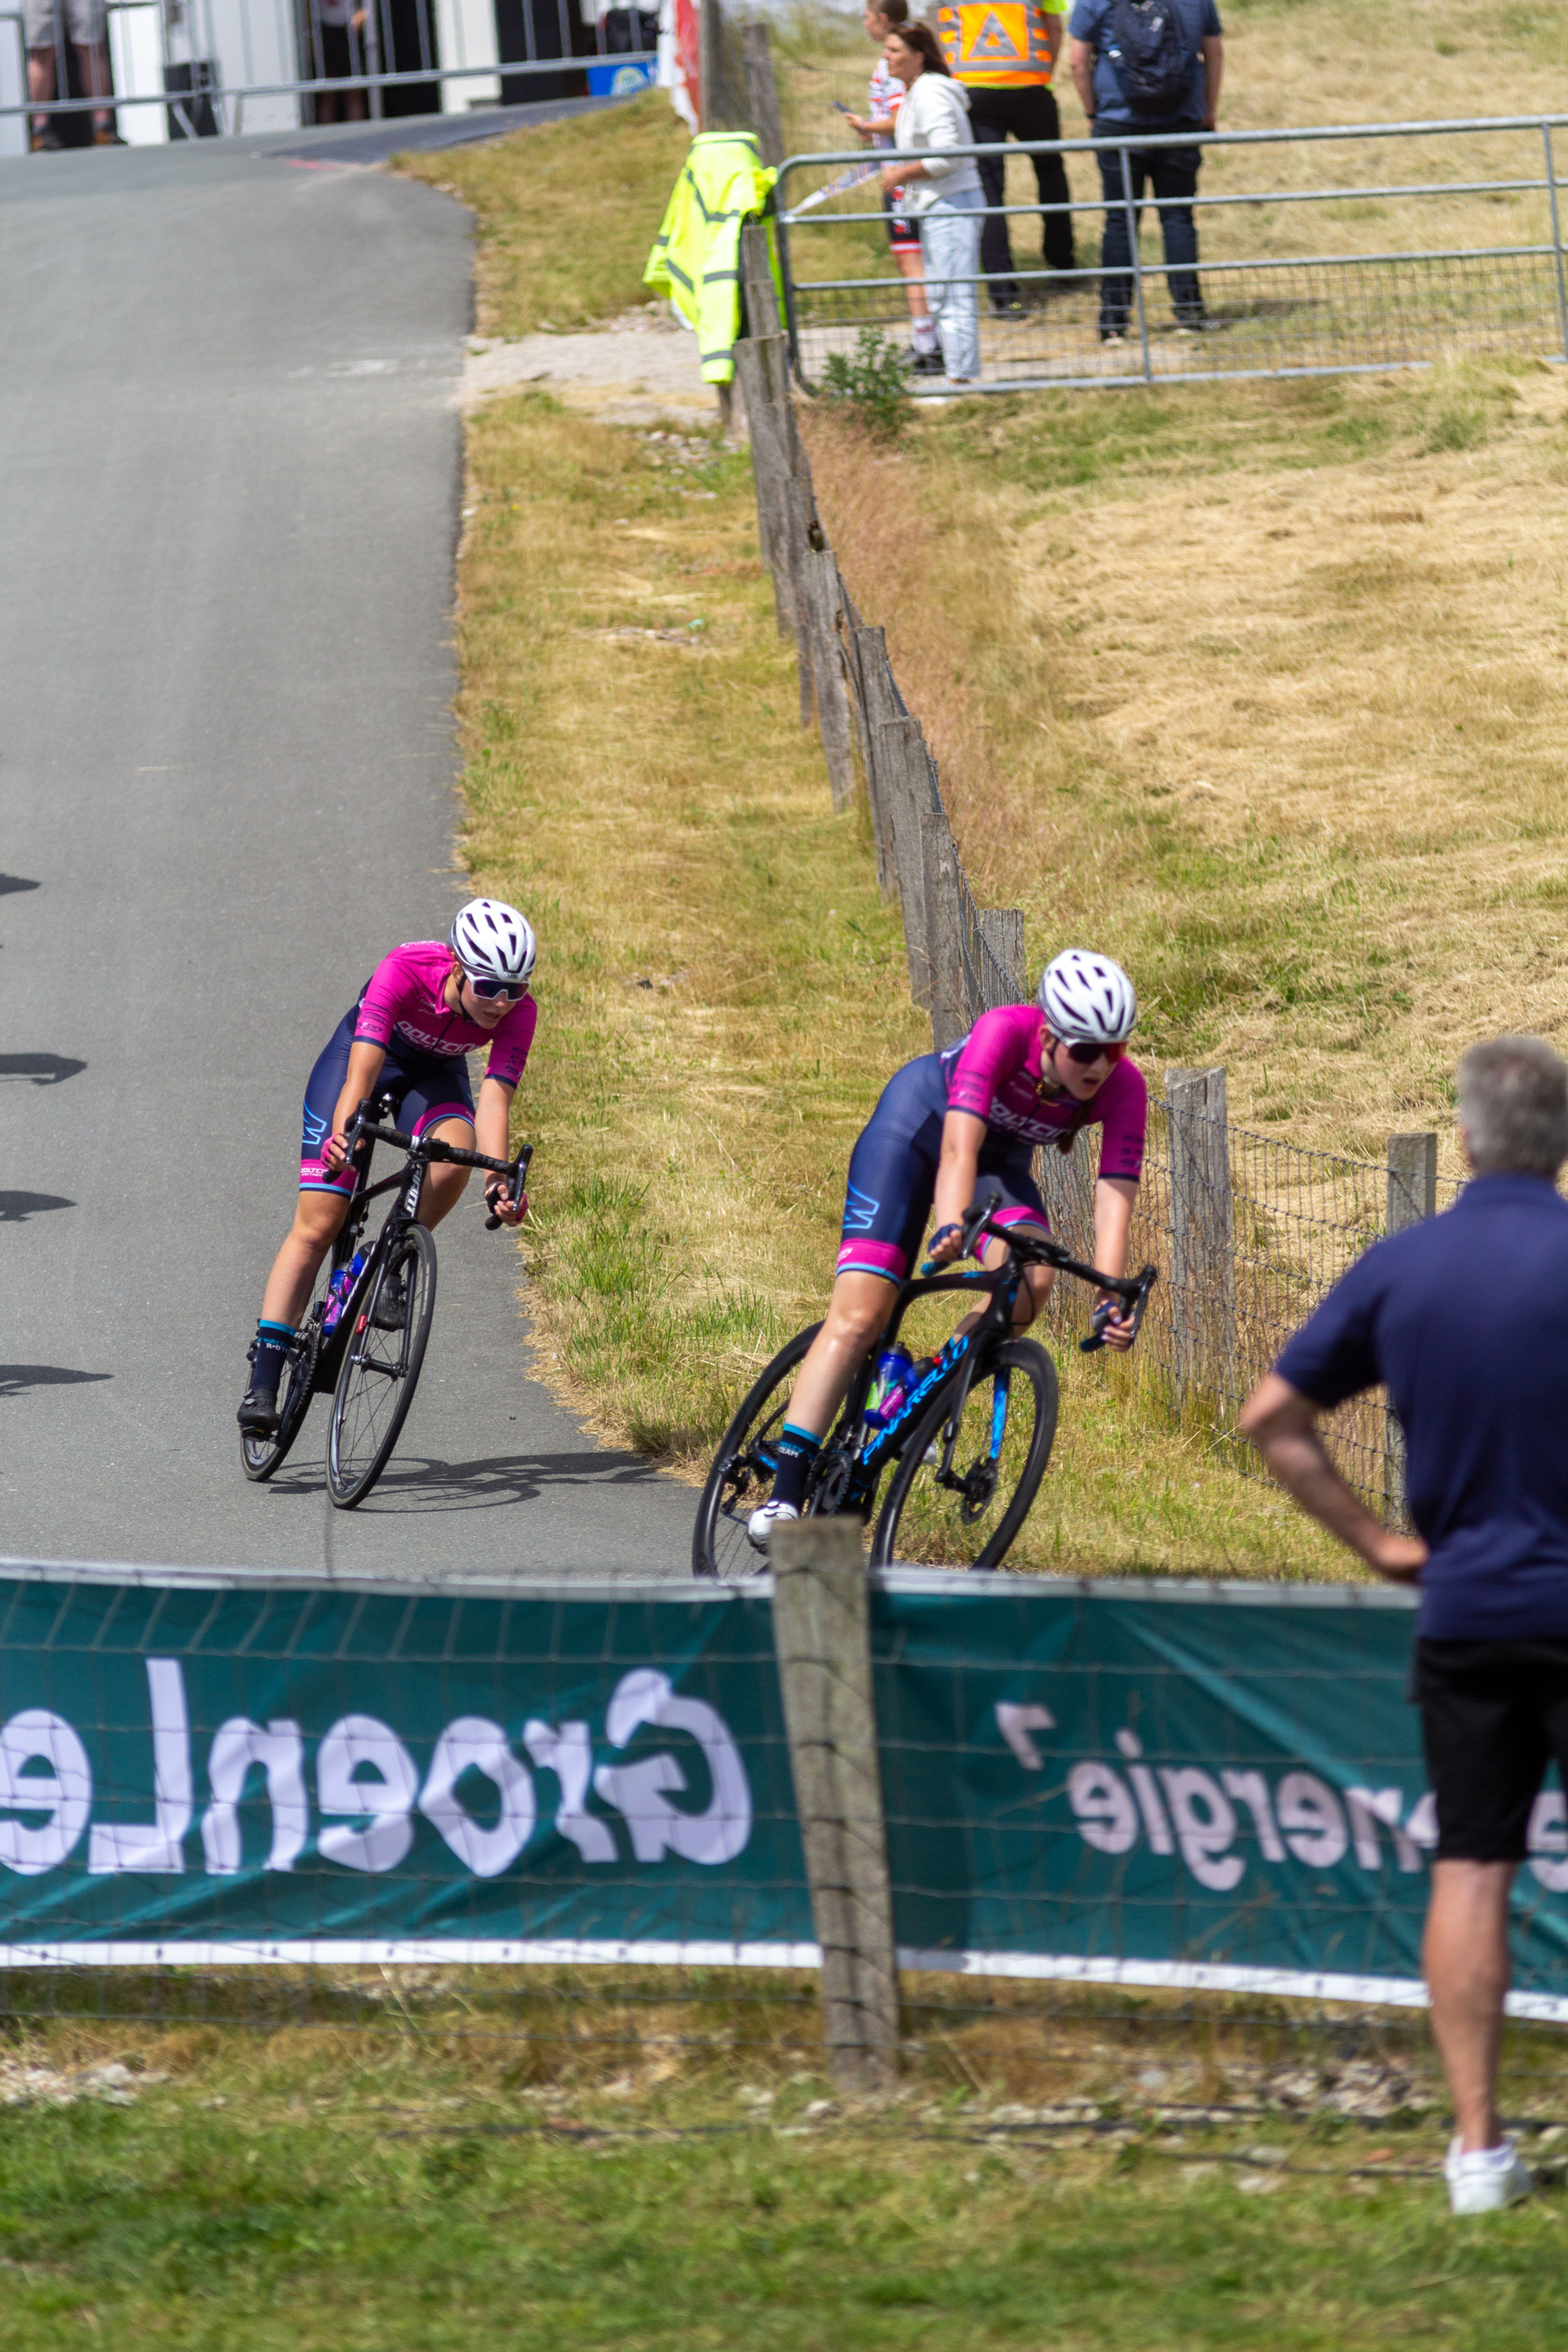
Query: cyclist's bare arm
x=956 y=1173
x=365 y=1062
x=492 y=1128
x=1113 y=1199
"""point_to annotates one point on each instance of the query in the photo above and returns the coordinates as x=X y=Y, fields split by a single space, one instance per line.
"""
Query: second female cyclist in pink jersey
x=949 y=1127
x=425 y=1008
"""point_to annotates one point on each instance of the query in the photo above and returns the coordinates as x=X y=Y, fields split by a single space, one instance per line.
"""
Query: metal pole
x=1137 y=262
x=1556 y=237
x=372 y=30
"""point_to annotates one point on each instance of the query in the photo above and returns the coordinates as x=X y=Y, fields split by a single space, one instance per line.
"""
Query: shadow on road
x=44 y=1069
x=15 y=1379
x=428 y=1484
x=16 y=1208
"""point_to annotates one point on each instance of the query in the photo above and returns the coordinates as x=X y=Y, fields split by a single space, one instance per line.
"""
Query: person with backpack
x=1143 y=67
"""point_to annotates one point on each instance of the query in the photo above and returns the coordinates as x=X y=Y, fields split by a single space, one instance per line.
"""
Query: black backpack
x=1150 y=56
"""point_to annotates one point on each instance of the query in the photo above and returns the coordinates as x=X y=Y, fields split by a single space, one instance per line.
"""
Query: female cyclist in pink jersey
x=948 y=1127
x=425 y=1008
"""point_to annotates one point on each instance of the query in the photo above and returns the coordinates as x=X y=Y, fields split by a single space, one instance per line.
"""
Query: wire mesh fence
x=1244 y=1259
x=1411 y=271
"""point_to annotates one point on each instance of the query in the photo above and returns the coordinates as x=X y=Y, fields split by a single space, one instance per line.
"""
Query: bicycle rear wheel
x=963 y=1506
x=742 y=1473
x=260 y=1456
x=380 y=1371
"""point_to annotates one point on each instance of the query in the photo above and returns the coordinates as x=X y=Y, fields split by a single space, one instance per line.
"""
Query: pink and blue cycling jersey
x=995 y=1073
x=426 y=1074
x=403 y=1004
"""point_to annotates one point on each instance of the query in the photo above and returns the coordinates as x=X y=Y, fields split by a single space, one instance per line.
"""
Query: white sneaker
x=762 y=1522
x=1484 y=2179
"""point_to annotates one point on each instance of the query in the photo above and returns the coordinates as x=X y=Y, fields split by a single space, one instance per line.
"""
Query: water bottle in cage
x=893 y=1367
x=338 y=1291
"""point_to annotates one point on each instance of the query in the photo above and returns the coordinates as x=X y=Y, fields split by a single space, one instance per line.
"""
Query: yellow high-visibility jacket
x=696 y=256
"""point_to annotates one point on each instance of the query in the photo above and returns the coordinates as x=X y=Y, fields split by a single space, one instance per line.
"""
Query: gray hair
x=1513 y=1106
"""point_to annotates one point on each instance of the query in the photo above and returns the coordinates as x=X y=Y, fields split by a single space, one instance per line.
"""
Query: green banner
x=196 y=1768
x=1211 y=1785
x=1214 y=1785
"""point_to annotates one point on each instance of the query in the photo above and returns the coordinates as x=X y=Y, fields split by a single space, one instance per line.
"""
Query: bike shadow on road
x=426 y=1482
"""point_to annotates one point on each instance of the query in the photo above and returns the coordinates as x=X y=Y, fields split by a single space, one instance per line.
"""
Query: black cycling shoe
x=392 y=1307
x=258 y=1415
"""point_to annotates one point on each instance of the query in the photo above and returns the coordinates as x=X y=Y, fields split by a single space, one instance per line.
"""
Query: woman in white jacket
x=939 y=190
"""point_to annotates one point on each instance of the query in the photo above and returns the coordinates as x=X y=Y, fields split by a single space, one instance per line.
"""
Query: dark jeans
x=1164 y=171
x=1028 y=111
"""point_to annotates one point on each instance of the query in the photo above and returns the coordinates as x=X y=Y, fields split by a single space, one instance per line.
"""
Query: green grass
x=371 y=2194
x=568 y=212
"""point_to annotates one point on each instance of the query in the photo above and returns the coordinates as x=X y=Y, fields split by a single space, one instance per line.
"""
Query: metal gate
x=1462 y=254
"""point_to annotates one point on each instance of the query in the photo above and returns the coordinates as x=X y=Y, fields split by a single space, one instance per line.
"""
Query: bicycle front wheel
x=381 y=1370
x=964 y=1483
x=742 y=1473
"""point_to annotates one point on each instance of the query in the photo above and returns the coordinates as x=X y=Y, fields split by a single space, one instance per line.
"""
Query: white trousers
x=950 y=242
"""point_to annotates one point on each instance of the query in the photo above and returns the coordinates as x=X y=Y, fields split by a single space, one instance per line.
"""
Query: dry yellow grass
x=1272 y=701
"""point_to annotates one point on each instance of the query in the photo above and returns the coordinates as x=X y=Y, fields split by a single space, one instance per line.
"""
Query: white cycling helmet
x=1087 y=998
x=493 y=941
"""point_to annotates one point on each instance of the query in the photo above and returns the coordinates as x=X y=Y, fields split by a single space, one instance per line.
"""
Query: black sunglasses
x=1086 y=1055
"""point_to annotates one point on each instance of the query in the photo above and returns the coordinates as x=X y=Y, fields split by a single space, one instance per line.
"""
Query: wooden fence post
x=946 y=995
x=1203 y=1262
x=828 y=670
x=1002 y=928
x=823 y=1639
x=880 y=708
x=903 y=779
x=763 y=92
x=1412 y=1196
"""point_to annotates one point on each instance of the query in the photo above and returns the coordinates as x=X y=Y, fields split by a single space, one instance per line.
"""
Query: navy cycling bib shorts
x=426 y=1088
x=892 y=1175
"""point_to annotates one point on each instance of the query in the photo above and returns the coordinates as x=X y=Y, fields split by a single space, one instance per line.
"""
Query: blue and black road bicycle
x=966 y=1438
x=362 y=1340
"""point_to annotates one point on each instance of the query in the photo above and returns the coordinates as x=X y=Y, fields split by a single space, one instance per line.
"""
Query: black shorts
x=1493 y=1715
x=903 y=234
x=337 y=54
x=426 y=1088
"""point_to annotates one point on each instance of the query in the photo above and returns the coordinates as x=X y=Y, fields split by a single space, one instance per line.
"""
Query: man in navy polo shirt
x=1465 y=1319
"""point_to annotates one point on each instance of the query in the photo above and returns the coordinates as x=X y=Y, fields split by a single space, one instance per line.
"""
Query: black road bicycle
x=363 y=1337
x=967 y=1446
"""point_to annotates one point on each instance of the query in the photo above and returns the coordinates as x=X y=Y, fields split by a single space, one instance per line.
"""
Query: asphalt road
x=230 y=484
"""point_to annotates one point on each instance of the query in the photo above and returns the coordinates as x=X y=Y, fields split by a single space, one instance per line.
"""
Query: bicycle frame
x=853 y=1462
x=410 y=1180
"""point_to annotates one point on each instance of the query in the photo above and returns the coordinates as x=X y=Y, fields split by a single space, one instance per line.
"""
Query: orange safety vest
x=997 y=43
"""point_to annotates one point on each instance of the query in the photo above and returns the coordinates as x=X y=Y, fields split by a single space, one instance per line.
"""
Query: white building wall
x=13 y=79
x=465 y=31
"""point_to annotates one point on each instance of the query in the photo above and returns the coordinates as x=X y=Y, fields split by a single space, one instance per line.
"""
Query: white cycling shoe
x=762 y=1522
x=1484 y=2179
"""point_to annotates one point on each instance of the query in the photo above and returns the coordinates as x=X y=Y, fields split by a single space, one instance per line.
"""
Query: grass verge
x=412 y=2188
x=722 y=995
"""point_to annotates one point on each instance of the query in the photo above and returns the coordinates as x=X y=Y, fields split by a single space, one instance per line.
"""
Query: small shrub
x=873 y=382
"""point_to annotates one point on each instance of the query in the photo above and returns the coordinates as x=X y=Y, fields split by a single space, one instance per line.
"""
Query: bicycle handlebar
x=1034 y=1248
x=362 y=1129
